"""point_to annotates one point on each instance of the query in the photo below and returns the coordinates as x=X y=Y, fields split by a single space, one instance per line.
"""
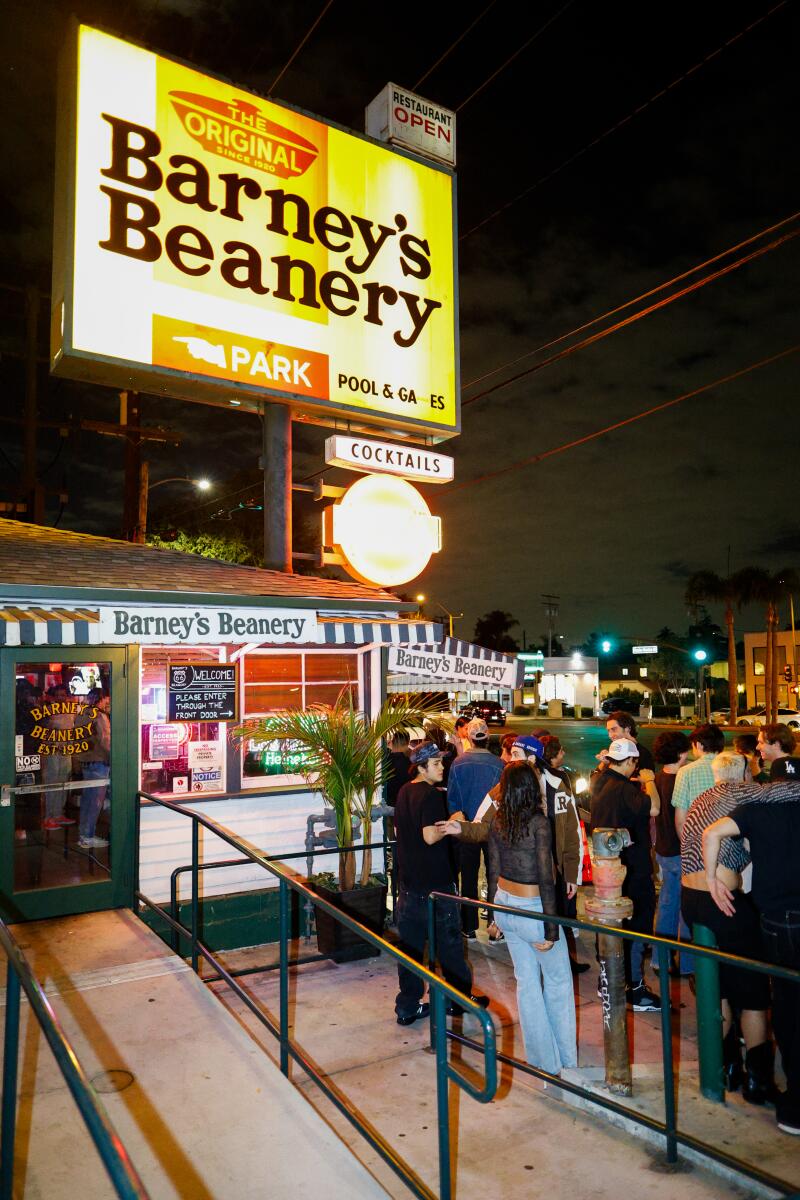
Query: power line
x=298 y=48
x=628 y=303
x=637 y=316
x=516 y=54
x=453 y=45
x=624 y=121
x=706 y=387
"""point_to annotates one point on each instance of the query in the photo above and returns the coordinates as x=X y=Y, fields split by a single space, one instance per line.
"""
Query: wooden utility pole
x=130 y=415
x=32 y=489
x=276 y=463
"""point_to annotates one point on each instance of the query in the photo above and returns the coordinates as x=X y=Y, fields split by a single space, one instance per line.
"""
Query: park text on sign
x=406 y=660
x=410 y=462
x=203 y=692
x=193 y=627
x=219 y=247
x=405 y=119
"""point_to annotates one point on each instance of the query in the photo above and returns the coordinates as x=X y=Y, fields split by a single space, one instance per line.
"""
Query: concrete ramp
x=202 y=1110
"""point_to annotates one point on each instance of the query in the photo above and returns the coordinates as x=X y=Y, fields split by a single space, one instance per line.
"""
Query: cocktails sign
x=217 y=246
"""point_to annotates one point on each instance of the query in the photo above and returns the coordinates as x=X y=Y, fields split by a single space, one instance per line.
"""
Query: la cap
x=424 y=753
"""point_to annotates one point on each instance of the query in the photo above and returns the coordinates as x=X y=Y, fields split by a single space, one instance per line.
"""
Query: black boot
x=759 y=1085
x=732 y=1060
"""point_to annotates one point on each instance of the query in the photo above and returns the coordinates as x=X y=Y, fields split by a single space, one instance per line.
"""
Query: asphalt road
x=583 y=740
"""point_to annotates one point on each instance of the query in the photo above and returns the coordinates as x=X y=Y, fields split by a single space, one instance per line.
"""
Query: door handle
x=5 y=796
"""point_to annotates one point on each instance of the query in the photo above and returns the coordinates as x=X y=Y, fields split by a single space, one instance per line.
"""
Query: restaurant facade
x=123 y=669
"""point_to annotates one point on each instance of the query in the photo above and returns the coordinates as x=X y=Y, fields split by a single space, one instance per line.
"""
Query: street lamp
x=146 y=487
x=421 y=598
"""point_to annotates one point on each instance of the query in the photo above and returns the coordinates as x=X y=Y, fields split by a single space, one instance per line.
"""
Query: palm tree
x=730 y=591
x=493 y=630
x=342 y=756
x=770 y=589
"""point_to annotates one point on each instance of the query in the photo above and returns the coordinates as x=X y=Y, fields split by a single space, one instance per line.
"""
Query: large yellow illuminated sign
x=383 y=530
x=213 y=245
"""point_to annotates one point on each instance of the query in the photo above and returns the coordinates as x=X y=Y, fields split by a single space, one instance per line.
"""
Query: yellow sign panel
x=213 y=245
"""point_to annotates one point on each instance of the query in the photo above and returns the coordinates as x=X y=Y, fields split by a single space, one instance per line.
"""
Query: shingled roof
x=36 y=555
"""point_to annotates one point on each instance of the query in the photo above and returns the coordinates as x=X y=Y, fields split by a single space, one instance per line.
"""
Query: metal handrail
x=440 y=992
x=124 y=1176
x=663 y=946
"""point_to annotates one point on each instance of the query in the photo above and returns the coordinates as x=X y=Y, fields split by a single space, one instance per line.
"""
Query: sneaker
x=422 y=1010
x=641 y=999
x=86 y=843
x=495 y=938
x=65 y=820
x=51 y=823
x=455 y=1010
x=471 y=935
x=98 y=841
x=788 y=1122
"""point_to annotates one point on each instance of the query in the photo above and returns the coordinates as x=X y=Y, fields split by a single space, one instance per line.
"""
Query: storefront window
x=273 y=681
x=62 y=750
x=178 y=757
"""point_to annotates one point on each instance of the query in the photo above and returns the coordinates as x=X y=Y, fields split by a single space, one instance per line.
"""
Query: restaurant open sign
x=220 y=247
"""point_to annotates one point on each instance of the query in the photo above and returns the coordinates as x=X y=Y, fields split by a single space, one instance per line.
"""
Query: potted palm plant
x=341 y=753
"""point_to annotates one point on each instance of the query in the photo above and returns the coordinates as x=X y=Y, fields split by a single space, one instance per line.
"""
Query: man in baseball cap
x=472 y=777
x=424 y=866
x=617 y=803
x=527 y=746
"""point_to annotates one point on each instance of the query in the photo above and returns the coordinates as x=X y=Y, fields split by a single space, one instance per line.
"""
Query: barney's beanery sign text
x=230 y=246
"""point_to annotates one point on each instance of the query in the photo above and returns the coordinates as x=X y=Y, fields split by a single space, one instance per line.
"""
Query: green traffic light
x=700 y=655
x=605 y=646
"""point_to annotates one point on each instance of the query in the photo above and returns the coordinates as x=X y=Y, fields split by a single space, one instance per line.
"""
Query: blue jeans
x=669 y=922
x=545 y=997
x=92 y=798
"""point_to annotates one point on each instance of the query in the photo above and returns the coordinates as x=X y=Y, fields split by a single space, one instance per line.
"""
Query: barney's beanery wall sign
x=216 y=246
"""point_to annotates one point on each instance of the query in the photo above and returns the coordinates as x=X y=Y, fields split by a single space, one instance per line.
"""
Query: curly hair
x=519 y=800
x=670 y=745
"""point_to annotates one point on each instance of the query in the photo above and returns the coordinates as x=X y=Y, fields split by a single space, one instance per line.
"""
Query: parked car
x=621 y=704
x=720 y=716
x=490 y=711
x=758 y=716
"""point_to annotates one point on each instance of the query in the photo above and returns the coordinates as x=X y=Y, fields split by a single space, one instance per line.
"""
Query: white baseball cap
x=621 y=748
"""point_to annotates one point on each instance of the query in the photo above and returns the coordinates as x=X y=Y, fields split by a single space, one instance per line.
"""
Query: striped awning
x=467 y=650
x=81 y=627
x=386 y=633
x=49 y=627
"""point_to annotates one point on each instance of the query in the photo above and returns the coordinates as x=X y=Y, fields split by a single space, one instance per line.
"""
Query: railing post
x=137 y=835
x=195 y=892
x=174 y=939
x=438 y=1001
x=709 y=1018
x=666 y=1054
x=10 y=1066
x=432 y=965
x=283 y=899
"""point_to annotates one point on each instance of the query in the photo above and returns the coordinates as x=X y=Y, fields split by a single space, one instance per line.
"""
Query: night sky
x=613 y=526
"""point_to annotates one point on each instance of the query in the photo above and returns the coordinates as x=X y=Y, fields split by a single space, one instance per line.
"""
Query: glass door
x=66 y=811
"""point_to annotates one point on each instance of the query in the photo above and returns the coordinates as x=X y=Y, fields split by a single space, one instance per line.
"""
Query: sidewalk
x=202 y=1112
x=528 y=1138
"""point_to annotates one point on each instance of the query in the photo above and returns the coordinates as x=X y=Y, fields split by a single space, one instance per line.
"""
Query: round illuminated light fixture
x=384 y=530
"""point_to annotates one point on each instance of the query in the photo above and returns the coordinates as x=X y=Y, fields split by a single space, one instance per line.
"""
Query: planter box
x=366 y=905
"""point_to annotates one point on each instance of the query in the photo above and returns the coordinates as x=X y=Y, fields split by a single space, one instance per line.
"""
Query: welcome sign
x=220 y=247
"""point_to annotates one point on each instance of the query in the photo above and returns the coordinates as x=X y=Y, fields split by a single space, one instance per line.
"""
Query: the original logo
x=238 y=130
